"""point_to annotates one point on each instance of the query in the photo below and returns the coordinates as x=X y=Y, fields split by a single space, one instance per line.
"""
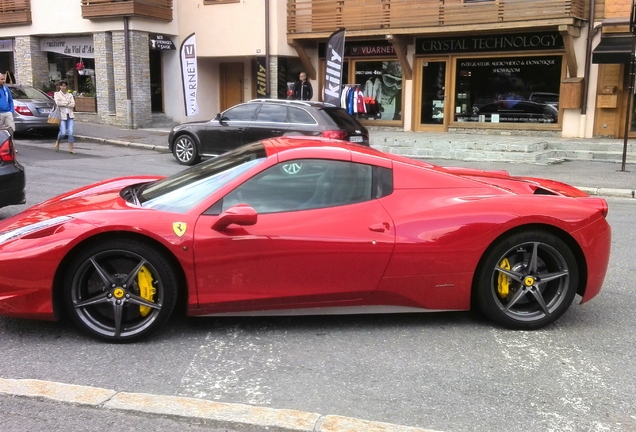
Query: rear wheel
x=120 y=290
x=185 y=150
x=527 y=281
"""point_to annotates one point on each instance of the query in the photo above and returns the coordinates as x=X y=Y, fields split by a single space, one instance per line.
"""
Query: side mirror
x=241 y=214
x=217 y=117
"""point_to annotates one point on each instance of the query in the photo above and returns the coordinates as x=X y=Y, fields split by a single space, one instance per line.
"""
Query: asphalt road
x=444 y=371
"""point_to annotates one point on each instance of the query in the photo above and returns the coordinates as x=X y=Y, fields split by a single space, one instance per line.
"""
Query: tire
x=539 y=286
x=107 y=290
x=185 y=150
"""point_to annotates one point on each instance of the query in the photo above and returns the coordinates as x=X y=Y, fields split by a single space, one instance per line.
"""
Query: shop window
x=508 y=90
x=79 y=73
x=381 y=84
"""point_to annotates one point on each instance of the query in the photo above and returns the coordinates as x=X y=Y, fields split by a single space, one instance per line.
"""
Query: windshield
x=183 y=191
x=28 y=93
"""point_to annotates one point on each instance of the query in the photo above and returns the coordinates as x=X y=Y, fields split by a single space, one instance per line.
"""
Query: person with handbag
x=66 y=102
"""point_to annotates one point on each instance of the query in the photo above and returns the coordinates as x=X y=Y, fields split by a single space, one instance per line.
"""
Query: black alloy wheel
x=120 y=290
x=527 y=280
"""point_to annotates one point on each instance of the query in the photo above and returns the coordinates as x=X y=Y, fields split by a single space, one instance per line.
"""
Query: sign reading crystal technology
x=71 y=46
x=465 y=44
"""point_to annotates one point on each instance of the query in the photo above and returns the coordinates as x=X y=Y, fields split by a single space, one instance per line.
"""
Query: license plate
x=44 y=110
x=356 y=139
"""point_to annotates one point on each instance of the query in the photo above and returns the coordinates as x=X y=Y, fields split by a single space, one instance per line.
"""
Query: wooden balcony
x=14 y=12
x=160 y=10
x=312 y=19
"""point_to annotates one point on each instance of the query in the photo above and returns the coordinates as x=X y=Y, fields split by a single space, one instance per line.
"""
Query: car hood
x=104 y=195
x=518 y=185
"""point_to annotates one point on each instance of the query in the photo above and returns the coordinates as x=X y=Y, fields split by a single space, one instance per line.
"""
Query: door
x=227 y=132
x=156 y=80
x=270 y=122
x=321 y=236
x=433 y=104
x=231 y=81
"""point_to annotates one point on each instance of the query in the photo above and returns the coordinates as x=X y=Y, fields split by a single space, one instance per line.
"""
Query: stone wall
x=32 y=67
x=110 y=76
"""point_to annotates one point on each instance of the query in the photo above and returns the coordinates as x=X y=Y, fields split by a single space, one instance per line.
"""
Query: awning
x=613 y=49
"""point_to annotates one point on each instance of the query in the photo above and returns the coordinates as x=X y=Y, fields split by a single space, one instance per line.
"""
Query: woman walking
x=66 y=102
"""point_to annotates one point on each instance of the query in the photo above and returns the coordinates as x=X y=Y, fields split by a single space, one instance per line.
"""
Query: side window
x=240 y=113
x=300 y=116
x=272 y=114
x=311 y=184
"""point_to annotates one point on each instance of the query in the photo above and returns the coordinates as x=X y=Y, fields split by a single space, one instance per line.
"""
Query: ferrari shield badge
x=179 y=228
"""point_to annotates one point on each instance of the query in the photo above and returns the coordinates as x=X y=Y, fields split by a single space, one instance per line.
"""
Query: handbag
x=54 y=116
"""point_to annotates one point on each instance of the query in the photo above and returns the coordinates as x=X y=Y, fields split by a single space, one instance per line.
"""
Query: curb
x=159 y=148
x=219 y=415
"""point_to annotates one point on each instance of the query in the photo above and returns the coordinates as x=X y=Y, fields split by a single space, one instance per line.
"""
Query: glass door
x=433 y=109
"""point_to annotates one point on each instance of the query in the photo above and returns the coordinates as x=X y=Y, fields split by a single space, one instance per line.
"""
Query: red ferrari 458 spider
x=301 y=225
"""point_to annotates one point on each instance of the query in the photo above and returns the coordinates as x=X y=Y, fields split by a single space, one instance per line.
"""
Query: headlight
x=29 y=229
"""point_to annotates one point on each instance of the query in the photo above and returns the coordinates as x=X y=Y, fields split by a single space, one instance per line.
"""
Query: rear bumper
x=27 y=123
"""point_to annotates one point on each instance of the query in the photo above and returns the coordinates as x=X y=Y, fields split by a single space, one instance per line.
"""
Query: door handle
x=380 y=227
x=277 y=132
x=241 y=129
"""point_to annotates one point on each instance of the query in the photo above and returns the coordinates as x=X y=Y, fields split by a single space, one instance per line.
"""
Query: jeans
x=66 y=128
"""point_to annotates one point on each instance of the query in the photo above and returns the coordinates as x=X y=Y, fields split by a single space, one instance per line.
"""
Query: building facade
x=557 y=67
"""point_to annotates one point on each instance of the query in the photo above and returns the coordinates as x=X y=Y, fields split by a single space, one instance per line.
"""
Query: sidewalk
x=594 y=177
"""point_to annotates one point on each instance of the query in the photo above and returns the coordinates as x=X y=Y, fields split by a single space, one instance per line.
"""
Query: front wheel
x=120 y=290
x=527 y=280
x=185 y=150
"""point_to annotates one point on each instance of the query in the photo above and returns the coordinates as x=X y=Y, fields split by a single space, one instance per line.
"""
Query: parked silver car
x=32 y=108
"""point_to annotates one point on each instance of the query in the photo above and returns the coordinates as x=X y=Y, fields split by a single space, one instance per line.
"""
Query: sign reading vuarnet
x=189 y=74
x=489 y=43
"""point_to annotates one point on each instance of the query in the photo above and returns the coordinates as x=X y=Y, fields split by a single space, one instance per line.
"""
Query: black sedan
x=261 y=119
x=12 y=179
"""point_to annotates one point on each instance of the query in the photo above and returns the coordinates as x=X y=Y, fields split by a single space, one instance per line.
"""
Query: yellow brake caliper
x=503 y=286
x=146 y=290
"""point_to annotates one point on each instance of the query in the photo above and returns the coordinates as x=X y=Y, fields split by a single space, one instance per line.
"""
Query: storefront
x=508 y=81
x=613 y=55
x=71 y=59
x=371 y=68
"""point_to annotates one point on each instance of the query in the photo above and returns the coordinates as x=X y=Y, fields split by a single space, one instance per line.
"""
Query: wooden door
x=231 y=81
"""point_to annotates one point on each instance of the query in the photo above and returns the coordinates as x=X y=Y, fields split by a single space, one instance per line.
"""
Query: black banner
x=333 y=67
x=160 y=42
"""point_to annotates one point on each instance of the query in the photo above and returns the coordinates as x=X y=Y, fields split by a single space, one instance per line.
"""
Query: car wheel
x=185 y=150
x=527 y=280
x=120 y=290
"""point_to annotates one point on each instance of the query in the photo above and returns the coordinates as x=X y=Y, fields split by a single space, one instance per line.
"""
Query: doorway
x=156 y=82
x=231 y=80
x=432 y=104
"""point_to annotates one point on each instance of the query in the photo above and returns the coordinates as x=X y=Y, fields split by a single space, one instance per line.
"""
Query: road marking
x=231 y=366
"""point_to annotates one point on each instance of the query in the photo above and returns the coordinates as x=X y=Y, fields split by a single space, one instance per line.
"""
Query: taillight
x=598 y=203
x=7 y=151
x=335 y=134
x=23 y=110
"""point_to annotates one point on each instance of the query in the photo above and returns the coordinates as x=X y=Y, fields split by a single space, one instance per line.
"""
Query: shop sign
x=6 y=45
x=261 y=78
x=71 y=46
x=489 y=43
x=160 y=42
x=364 y=49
